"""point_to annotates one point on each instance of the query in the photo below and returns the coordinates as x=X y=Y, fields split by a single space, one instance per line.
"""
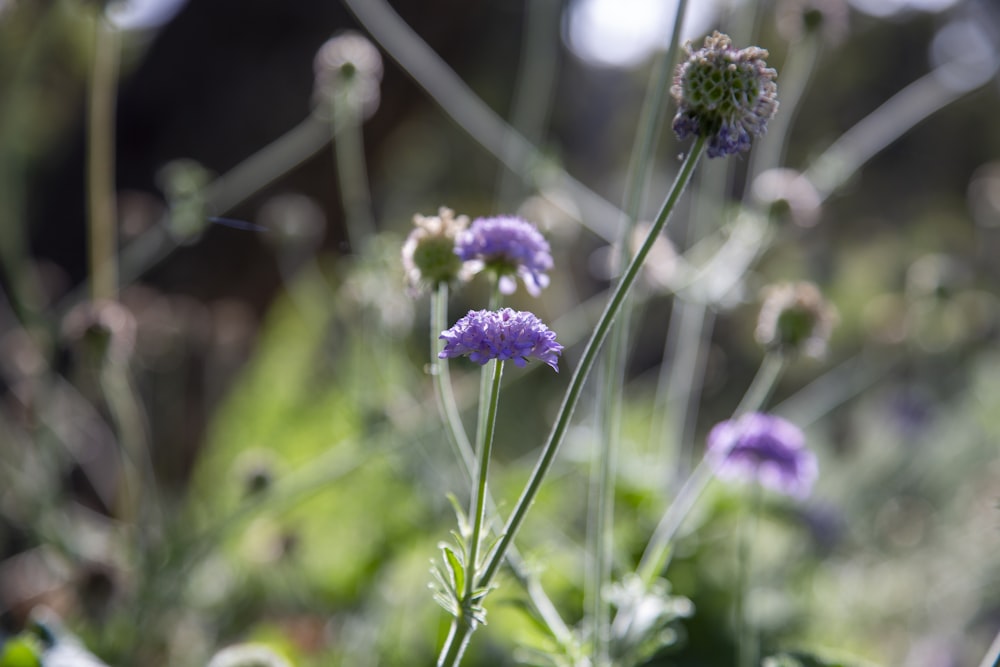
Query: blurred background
x=242 y=444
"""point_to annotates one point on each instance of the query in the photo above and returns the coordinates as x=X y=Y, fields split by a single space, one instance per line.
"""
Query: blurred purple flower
x=505 y=335
x=511 y=247
x=763 y=448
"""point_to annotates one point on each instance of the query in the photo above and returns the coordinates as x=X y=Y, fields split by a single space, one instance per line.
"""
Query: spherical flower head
x=511 y=247
x=725 y=94
x=349 y=66
x=429 y=257
x=765 y=449
x=795 y=318
x=828 y=18
x=506 y=334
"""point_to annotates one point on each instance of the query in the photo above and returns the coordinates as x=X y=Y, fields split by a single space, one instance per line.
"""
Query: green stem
x=747 y=649
x=480 y=489
x=447 y=404
x=349 y=153
x=763 y=383
x=463 y=450
x=103 y=243
x=464 y=623
x=586 y=363
x=651 y=119
x=655 y=556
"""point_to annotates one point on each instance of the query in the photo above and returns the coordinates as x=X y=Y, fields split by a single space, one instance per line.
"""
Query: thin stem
x=992 y=657
x=747 y=644
x=352 y=171
x=651 y=118
x=441 y=374
x=655 y=556
x=474 y=116
x=586 y=363
x=480 y=488
x=897 y=115
x=101 y=163
x=763 y=383
x=464 y=623
x=448 y=405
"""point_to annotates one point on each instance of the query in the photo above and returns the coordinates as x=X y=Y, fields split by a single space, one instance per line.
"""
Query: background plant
x=250 y=449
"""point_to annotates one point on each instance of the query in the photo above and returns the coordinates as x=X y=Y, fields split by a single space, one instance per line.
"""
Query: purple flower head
x=504 y=334
x=725 y=94
x=510 y=246
x=763 y=448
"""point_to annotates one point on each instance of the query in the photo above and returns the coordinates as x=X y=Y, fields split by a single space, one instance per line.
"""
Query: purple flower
x=725 y=94
x=511 y=247
x=763 y=448
x=505 y=334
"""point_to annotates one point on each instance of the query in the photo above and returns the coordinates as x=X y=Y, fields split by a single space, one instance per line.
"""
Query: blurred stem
x=894 y=118
x=747 y=646
x=798 y=68
x=474 y=116
x=352 y=170
x=651 y=118
x=992 y=657
x=654 y=557
x=101 y=162
x=537 y=69
x=586 y=363
x=763 y=383
x=137 y=505
x=442 y=384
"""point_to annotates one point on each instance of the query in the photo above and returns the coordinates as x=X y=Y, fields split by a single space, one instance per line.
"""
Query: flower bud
x=795 y=318
x=429 y=257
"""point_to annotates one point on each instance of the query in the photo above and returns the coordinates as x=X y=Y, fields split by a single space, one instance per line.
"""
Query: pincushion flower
x=725 y=94
x=506 y=334
x=795 y=318
x=512 y=248
x=429 y=257
x=765 y=449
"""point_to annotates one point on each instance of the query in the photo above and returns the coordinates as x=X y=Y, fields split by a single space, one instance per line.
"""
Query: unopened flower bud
x=795 y=318
x=724 y=94
x=429 y=256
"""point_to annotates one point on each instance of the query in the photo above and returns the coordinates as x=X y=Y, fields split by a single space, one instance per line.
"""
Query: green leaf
x=800 y=658
x=455 y=566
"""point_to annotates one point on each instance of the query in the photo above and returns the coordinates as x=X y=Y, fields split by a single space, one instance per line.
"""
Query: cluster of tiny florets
x=506 y=334
x=763 y=448
x=512 y=248
x=795 y=318
x=429 y=257
x=725 y=94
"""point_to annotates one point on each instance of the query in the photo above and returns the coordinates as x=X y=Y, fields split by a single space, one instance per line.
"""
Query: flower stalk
x=590 y=355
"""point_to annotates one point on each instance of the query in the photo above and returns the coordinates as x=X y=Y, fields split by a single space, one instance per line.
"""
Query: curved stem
x=763 y=383
x=655 y=556
x=586 y=363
